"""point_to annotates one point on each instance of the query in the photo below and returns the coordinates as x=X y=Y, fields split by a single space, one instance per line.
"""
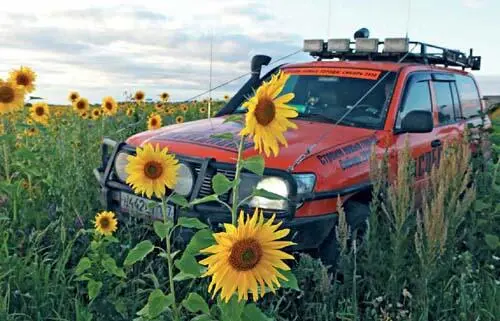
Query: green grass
x=48 y=194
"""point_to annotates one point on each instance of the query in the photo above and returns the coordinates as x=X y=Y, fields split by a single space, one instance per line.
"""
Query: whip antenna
x=408 y=18
x=210 y=80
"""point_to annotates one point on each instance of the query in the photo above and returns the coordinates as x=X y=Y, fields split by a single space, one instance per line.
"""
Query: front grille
x=206 y=186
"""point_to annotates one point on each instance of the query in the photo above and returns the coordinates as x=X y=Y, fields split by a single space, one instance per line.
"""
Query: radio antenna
x=210 y=80
x=329 y=18
x=408 y=18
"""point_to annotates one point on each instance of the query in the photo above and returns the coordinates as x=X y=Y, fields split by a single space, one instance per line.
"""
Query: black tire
x=357 y=217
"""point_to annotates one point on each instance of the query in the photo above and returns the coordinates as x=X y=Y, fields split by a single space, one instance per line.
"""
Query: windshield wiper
x=327 y=118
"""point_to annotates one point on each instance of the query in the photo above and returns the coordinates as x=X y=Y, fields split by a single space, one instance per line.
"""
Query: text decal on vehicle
x=337 y=72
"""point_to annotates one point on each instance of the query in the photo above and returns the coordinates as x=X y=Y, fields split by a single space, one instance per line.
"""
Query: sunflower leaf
x=202 y=317
x=188 y=264
x=109 y=265
x=221 y=184
x=181 y=276
x=255 y=164
x=179 y=200
x=191 y=222
x=492 y=241
x=206 y=199
x=234 y=118
x=200 y=240
x=195 y=303
x=83 y=265
x=158 y=303
x=162 y=229
x=266 y=194
x=138 y=253
x=227 y=136
x=252 y=313
x=93 y=288
x=292 y=280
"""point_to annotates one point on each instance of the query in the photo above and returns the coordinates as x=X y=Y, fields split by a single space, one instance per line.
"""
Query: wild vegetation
x=439 y=261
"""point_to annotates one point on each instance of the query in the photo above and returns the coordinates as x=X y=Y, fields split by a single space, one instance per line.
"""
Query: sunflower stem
x=236 y=179
x=170 y=263
x=6 y=162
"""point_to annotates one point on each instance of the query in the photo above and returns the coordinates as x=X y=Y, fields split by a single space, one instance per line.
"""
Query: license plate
x=139 y=205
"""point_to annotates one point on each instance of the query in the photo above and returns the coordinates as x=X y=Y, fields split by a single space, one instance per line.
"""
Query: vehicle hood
x=195 y=139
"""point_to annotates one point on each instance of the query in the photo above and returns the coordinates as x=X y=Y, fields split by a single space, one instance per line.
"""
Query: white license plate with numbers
x=139 y=205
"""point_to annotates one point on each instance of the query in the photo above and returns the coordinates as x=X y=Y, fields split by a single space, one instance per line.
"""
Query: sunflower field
x=64 y=257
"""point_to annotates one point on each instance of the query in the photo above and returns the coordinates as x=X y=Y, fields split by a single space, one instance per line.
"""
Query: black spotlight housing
x=362 y=33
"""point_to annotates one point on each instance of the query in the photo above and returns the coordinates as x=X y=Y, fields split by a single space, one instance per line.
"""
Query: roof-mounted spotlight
x=396 y=45
x=314 y=45
x=367 y=45
x=339 y=45
x=362 y=33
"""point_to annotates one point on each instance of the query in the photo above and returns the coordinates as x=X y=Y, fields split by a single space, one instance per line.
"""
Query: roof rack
x=394 y=49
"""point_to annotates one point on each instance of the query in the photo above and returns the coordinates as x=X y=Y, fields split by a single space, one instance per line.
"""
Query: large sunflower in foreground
x=267 y=116
x=106 y=223
x=81 y=105
x=109 y=106
x=24 y=77
x=73 y=96
x=154 y=121
x=11 y=97
x=152 y=171
x=40 y=112
x=247 y=257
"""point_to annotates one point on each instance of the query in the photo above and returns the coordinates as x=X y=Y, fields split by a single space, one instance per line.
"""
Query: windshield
x=328 y=98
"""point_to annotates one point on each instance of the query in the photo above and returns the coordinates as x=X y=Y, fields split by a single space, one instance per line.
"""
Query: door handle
x=436 y=143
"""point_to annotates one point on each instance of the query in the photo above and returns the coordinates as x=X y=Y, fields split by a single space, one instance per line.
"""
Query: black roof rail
x=428 y=54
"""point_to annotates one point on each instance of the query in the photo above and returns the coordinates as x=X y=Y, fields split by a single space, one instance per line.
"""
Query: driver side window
x=417 y=97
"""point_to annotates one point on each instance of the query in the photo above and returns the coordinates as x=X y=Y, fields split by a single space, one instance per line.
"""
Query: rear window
x=469 y=96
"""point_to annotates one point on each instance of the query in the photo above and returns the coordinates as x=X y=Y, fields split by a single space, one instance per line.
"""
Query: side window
x=469 y=96
x=456 y=101
x=417 y=97
x=444 y=99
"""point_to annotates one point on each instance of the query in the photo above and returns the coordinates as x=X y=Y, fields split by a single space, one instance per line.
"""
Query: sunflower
x=109 y=106
x=96 y=113
x=106 y=223
x=73 y=96
x=84 y=115
x=267 y=116
x=247 y=256
x=179 y=119
x=24 y=77
x=40 y=112
x=129 y=112
x=29 y=121
x=203 y=110
x=81 y=105
x=154 y=121
x=184 y=108
x=152 y=171
x=32 y=131
x=164 y=96
x=139 y=96
x=170 y=110
x=11 y=97
x=159 y=107
x=226 y=97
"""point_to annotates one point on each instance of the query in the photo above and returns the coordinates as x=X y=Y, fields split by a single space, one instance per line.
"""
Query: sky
x=110 y=47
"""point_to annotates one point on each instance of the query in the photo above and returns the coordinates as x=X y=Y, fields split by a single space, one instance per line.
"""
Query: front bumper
x=307 y=232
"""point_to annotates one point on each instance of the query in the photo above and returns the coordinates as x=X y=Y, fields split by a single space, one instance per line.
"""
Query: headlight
x=274 y=185
x=120 y=164
x=185 y=180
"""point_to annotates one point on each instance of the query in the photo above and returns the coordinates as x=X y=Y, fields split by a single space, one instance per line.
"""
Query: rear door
x=447 y=109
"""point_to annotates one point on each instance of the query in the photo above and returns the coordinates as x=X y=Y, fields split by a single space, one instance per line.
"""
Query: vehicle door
x=424 y=147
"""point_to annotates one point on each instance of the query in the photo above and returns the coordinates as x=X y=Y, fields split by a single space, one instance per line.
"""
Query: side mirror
x=417 y=121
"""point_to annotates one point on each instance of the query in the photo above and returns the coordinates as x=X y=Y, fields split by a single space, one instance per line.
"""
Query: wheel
x=357 y=218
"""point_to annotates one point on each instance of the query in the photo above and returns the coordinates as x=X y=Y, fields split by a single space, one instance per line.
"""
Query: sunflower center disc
x=108 y=105
x=39 y=111
x=245 y=254
x=265 y=111
x=139 y=96
x=80 y=105
x=153 y=122
x=22 y=80
x=73 y=97
x=104 y=222
x=153 y=170
x=6 y=94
